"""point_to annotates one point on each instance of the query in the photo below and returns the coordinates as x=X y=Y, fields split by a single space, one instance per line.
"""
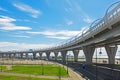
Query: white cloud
x=59 y=25
x=68 y=9
x=54 y=33
x=63 y=34
x=9 y=46
x=69 y=22
x=59 y=37
x=3 y=9
x=20 y=36
x=75 y=9
x=26 y=8
x=88 y=20
x=6 y=23
x=47 y=2
x=26 y=20
x=69 y=3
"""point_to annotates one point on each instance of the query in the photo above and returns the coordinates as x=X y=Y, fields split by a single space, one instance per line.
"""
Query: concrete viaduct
x=104 y=32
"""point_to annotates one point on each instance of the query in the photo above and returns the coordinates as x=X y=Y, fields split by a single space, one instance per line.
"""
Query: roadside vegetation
x=46 y=69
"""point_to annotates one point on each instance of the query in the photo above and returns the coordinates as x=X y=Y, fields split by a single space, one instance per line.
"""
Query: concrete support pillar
x=10 y=55
x=111 y=52
x=17 y=55
x=56 y=55
x=7 y=55
x=14 y=55
x=26 y=55
x=75 y=52
x=34 y=55
x=48 y=55
x=0 y=55
x=63 y=53
x=88 y=51
x=21 y=55
x=40 y=55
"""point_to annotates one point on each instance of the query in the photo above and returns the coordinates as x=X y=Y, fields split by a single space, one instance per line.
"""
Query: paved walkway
x=29 y=75
x=74 y=75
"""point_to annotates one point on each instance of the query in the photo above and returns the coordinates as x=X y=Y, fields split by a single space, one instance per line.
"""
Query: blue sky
x=42 y=23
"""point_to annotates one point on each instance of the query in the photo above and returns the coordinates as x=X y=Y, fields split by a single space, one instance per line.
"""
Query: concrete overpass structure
x=104 y=32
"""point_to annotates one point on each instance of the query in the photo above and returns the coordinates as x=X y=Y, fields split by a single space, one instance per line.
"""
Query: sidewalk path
x=29 y=75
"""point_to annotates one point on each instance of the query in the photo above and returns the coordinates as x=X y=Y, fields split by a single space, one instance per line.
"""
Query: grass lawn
x=8 y=77
x=50 y=70
x=2 y=68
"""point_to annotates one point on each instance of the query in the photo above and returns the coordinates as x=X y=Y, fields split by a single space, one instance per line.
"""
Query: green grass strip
x=49 y=70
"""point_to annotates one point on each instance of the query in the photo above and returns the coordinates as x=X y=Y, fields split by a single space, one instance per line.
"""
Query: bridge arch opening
x=52 y=56
x=81 y=56
x=30 y=55
x=59 y=57
x=70 y=56
x=37 y=56
x=44 y=56
x=100 y=56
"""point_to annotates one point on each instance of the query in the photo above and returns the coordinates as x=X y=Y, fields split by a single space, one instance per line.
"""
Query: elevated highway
x=104 y=32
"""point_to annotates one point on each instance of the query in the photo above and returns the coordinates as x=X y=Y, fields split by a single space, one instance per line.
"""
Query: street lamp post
x=2 y=61
x=59 y=72
x=12 y=58
x=67 y=64
x=42 y=67
x=119 y=57
x=100 y=53
x=96 y=66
